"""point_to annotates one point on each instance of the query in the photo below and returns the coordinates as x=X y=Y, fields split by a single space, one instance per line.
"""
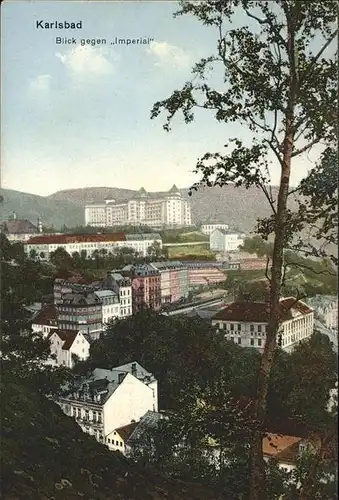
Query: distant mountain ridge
x=238 y=207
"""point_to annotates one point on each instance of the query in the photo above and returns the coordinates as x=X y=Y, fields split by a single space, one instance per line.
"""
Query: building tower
x=39 y=225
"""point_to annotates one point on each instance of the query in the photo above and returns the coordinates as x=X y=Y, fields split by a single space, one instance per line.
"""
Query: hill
x=45 y=456
x=53 y=212
x=238 y=207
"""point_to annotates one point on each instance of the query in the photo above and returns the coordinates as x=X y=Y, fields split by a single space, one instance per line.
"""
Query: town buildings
x=209 y=227
x=174 y=283
x=245 y=323
x=21 y=230
x=122 y=286
x=88 y=245
x=110 y=399
x=225 y=241
x=153 y=210
x=146 y=286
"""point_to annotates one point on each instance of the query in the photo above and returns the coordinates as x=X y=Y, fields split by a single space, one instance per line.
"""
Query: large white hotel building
x=167 y=209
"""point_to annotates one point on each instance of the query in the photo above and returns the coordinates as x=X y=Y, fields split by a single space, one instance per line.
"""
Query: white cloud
x=41 y=83
x=166 y=54
x=86 y=61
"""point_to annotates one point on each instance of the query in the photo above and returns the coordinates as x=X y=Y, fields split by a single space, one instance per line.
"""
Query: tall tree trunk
x=258 y=476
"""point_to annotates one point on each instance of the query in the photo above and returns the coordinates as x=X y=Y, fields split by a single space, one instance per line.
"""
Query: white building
x=122 y=287
x=110 y=305
x=208 y=228
x=245 y=323
x=154 y=210
x=110 y=399
x=90 y=244
x=66 y=345
x=21 y=230
x=225 y=241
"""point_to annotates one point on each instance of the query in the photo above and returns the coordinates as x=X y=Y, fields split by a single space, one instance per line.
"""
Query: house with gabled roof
x=45 y=320
x=67 y=346
x=111 y=398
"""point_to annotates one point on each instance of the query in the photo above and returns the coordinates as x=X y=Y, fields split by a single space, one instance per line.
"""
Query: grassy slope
x=45 y=456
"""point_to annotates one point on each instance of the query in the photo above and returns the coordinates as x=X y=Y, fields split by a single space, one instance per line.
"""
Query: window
x=252 y=342
x=121 y=444
x=259 y=342
x=117 y=443
x=239 y=340
x=239 y=327
x=252 y=328
x=232 y=327
x=108 y=440
x=259 y=328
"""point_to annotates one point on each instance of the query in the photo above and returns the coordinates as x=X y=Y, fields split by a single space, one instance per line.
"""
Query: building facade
x=245 y=323
x=91 y=244
x=110 y=399
x=146 y=286
x=209 y=227
x=173 y=281
x=164 y=209
x=45 y=320
x=81 y=311
x=225 y=241
x=122 y=287
x=110 y=305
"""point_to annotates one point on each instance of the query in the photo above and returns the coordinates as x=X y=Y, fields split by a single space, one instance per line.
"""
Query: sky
x=78 y=116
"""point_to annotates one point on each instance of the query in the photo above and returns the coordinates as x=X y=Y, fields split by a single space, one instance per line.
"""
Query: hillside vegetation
x=45 y=456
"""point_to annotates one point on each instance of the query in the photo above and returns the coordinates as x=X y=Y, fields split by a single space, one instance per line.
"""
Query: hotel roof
x=63 y=239
x=258 y=312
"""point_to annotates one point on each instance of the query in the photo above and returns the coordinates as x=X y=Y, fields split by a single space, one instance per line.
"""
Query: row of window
x=117 y=443
x=239 y=327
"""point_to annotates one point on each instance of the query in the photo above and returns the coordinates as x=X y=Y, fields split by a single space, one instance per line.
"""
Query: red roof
x=258 y=312
x=62 y=239
x=48 y=315
x=282 y=448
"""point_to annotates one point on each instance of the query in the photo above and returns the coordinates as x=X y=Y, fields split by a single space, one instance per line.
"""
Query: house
x=81 y=310
x=66 y=345
x=209 y=227
x=110 y=399
x=45 y=320
x=146 y=286
x=62 y=287
x=122 y=287
x=174 y=283
x=110 y=305
x=245 y=323
x=20 y=229
x=224 y=241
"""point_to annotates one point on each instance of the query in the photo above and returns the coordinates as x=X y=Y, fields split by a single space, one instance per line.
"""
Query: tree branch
x=305 y=148
x=311 y=67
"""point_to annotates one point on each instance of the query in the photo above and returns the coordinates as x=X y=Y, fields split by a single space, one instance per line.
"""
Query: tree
x=33 y=254
x=61 y=259
x=318 y=207
x=154 y=251
x=283 y=90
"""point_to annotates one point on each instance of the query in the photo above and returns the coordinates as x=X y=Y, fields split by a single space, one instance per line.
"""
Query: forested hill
x=45 y=456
